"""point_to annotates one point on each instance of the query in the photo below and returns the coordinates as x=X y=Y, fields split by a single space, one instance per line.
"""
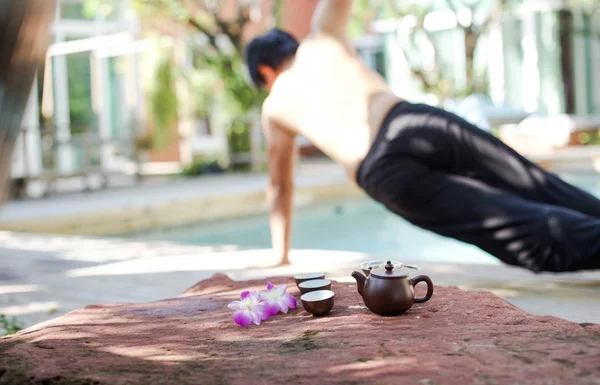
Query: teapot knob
x=389 y=266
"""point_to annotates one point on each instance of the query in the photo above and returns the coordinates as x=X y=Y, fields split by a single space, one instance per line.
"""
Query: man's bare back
x=329 y=96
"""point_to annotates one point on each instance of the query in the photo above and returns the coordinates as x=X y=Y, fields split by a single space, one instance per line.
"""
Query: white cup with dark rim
x=318 y=302
x=299 y=278
x=314 y=285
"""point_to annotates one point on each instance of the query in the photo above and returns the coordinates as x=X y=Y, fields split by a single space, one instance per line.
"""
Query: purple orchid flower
x=276 y=299
x=250 y=309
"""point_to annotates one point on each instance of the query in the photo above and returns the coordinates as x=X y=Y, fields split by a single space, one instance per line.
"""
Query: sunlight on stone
x=242 y=337
x=371 y=368
x=172 y=358
x=35 y=307
x=149 y=353
x=506 y=293
x=8 y=289
x=64 y=334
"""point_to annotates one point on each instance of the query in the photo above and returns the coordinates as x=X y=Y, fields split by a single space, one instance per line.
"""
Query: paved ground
x=158 y=192
x=168 y=203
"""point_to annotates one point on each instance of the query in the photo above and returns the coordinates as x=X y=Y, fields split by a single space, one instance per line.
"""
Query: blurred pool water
x=351 y=225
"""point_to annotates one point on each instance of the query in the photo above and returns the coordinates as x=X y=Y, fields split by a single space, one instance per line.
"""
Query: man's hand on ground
x=284 y=261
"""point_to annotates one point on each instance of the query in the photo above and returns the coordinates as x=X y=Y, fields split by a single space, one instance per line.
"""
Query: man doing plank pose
x=427 y=165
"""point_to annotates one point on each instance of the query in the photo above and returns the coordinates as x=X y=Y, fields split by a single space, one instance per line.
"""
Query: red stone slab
x=457 y=338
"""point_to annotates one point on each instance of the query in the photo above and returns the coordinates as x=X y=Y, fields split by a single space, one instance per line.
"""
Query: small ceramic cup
x=319 y=302
x=306 y=277
x=313 y=285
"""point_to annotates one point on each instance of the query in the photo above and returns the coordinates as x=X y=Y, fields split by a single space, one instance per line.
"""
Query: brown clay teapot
x=390 y=292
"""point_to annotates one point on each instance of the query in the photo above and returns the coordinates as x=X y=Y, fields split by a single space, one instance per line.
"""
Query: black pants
x=445 y=175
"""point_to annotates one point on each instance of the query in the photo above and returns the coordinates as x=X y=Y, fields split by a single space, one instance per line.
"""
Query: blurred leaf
x=10 y=326
x=101 y=8
x=164 y=102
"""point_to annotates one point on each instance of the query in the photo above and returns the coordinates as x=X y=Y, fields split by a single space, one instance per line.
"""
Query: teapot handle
x=426 y=279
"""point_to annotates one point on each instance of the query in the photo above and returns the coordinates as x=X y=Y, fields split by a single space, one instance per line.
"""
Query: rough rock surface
x=456 y=338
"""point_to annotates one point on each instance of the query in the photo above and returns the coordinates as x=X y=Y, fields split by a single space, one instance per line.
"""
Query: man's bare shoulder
x=270 y=107
x=274 y=113
x=281 y=96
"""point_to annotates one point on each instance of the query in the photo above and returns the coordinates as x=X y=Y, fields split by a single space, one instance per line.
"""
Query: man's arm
x=297 y=16
x=280 y=144
x=332 y=17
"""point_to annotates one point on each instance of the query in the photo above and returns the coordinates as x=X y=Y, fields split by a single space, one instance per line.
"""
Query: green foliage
x=10 y=326
x=81 y=113
x=434 y=78
x=230 y=69
x=239 y=137
x=202 y=166
x=166 y=9
x=203 y=87
x=99 y=9
x=589 y=138
x=164 y=102
x=76 y=11
x=364 y=12
x=237 y=97
x=223 y=60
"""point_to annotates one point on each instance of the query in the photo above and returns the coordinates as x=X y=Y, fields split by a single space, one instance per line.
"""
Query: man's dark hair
x=270 y=50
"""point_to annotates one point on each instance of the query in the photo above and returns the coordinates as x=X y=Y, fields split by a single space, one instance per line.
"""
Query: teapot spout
x=360 y=281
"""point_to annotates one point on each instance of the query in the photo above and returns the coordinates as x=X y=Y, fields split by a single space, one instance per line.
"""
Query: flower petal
x=242 y=317
x=281 y=289
x=283 y=307
x=255 y=318
x=244 y=295
x=271 y=308
x=269 y=296
x=270 y=286
x=255 y=297
x=289 y=301
x=237 y=305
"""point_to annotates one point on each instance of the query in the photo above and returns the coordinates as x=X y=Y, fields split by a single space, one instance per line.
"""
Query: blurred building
x=87 y=98
x=89 y=112
x=540 y=55
x=88 y=105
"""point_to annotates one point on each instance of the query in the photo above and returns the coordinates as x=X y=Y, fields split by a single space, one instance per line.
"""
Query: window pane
x=74 y=10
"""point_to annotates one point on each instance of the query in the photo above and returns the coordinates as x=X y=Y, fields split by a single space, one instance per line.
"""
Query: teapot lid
x=388 y=272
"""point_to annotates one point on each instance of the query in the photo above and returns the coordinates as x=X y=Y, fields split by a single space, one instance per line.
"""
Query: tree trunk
x=24 y=30
x=471 y=39
x=207 y=125
x=566 y=60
